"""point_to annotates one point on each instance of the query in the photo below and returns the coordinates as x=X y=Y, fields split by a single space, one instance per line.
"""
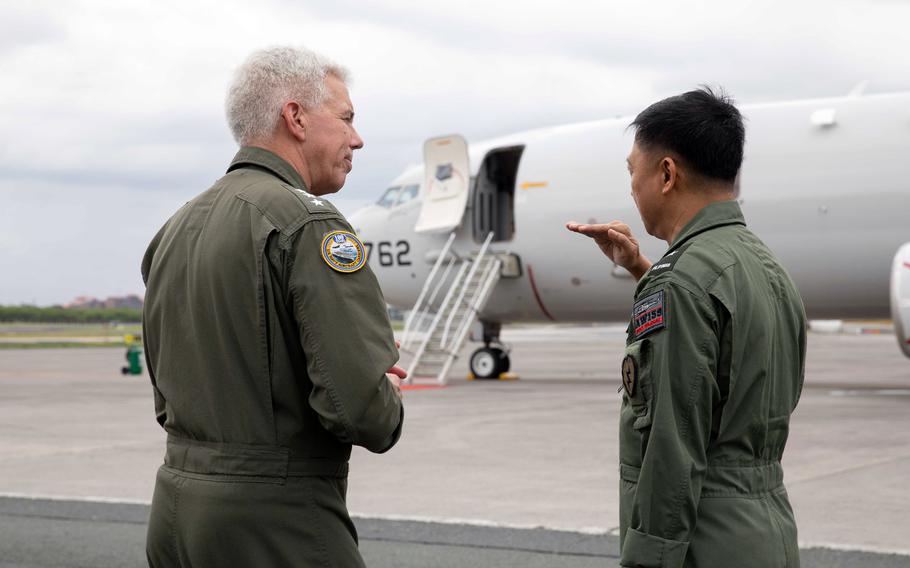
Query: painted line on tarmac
x=870 y=392
x=537 y=540
x=77 y=498
x=454 y=521
x=481 y=523
x=854 y=548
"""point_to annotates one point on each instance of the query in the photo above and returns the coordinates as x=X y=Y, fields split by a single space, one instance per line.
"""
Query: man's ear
x=295 y=120
x=669 y=174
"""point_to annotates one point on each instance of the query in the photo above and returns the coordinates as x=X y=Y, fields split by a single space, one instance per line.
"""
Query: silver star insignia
x=316 y=202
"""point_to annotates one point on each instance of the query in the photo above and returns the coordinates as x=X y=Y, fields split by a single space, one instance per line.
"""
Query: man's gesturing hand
x=616 y=241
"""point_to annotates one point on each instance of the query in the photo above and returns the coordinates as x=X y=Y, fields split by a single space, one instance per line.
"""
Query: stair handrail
x=445 y=302
x=461 y=294
x=424 y=312
x=490 y=276
x=423 y=292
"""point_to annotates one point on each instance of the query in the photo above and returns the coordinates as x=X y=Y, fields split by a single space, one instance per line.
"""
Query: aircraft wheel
x=504 y=362
x=487 y=363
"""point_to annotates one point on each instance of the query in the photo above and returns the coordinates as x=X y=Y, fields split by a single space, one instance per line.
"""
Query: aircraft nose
x=363 y=220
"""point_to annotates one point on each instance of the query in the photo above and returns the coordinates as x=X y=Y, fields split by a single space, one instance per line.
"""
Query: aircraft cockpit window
x=390 y=196
x=408 y=193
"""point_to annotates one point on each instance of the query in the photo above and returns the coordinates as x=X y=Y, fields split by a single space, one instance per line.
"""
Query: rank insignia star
x=315 y=202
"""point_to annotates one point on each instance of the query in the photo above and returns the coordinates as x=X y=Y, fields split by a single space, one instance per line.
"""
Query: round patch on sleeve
x=343 y=251
x=629 y=374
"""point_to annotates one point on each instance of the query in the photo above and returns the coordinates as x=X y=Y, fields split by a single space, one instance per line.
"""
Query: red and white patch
x=648 y=315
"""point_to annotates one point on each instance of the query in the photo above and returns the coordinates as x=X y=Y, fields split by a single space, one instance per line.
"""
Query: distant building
x=84 y=302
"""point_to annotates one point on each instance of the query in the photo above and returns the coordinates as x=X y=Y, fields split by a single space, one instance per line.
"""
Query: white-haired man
x=266 y=336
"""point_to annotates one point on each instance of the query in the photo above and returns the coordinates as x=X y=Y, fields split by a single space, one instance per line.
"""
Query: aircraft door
x=446 y=184
x=494 y=194
x=900 y=297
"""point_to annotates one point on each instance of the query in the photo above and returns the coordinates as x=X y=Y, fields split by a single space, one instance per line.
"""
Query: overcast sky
x=112 y=111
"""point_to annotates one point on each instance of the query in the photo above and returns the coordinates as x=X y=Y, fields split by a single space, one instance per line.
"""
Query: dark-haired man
x=714 y=356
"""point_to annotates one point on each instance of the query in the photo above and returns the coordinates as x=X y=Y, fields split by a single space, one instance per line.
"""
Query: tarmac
x=487 y=473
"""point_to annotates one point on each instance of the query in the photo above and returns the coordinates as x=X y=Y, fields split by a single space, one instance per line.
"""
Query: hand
x=396 y=373
x=616 y=241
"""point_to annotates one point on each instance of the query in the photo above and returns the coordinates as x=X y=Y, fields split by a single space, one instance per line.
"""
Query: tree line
x=59 y=314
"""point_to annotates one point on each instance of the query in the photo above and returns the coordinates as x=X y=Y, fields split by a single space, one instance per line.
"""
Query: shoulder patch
x=343 y=251
x=669 y=260
x=648 y=315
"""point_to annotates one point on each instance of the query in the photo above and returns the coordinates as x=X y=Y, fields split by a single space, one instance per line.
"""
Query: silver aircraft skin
x=823 y=184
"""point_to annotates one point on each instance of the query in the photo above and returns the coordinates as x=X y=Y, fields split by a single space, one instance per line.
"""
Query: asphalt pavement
x=519 y=473
x=41 y=533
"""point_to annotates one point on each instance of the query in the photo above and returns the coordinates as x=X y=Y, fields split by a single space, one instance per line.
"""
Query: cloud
x=121 y=103
x=21 y=28
x=57 y=242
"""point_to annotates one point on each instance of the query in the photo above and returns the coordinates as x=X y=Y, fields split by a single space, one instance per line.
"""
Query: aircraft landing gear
x=489 y=362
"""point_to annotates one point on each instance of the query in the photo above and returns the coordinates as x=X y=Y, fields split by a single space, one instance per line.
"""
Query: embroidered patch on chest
x=648 y=315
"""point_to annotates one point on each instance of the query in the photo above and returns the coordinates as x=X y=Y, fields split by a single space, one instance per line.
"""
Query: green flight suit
x=267 y=355
x=713 y=369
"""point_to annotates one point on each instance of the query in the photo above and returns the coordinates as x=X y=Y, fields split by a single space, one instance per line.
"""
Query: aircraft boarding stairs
x=436 y=328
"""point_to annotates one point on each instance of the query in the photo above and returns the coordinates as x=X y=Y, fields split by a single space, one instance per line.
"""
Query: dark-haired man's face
x=647 y=183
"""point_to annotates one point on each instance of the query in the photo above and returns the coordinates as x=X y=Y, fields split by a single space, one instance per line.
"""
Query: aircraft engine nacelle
x=900 y=297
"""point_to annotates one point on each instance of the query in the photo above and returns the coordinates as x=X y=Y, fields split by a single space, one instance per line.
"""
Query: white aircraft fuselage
x=822 y=184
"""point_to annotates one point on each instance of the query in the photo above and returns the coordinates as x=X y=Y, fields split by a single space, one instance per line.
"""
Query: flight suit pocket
x=637 y=403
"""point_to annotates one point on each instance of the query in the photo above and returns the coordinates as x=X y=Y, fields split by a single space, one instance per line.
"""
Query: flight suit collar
x=251 y=155
x=711 y=216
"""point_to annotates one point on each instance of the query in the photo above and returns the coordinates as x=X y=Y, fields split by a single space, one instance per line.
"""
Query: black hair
x=701 y=127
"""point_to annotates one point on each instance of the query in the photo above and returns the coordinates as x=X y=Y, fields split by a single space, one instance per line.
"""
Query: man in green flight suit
x=267 y=338
x=714 y=357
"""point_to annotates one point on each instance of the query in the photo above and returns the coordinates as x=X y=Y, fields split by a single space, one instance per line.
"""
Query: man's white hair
x=267 y=80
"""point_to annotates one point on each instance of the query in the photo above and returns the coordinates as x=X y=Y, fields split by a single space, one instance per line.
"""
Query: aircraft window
x=408 y=193
x=389 y=197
